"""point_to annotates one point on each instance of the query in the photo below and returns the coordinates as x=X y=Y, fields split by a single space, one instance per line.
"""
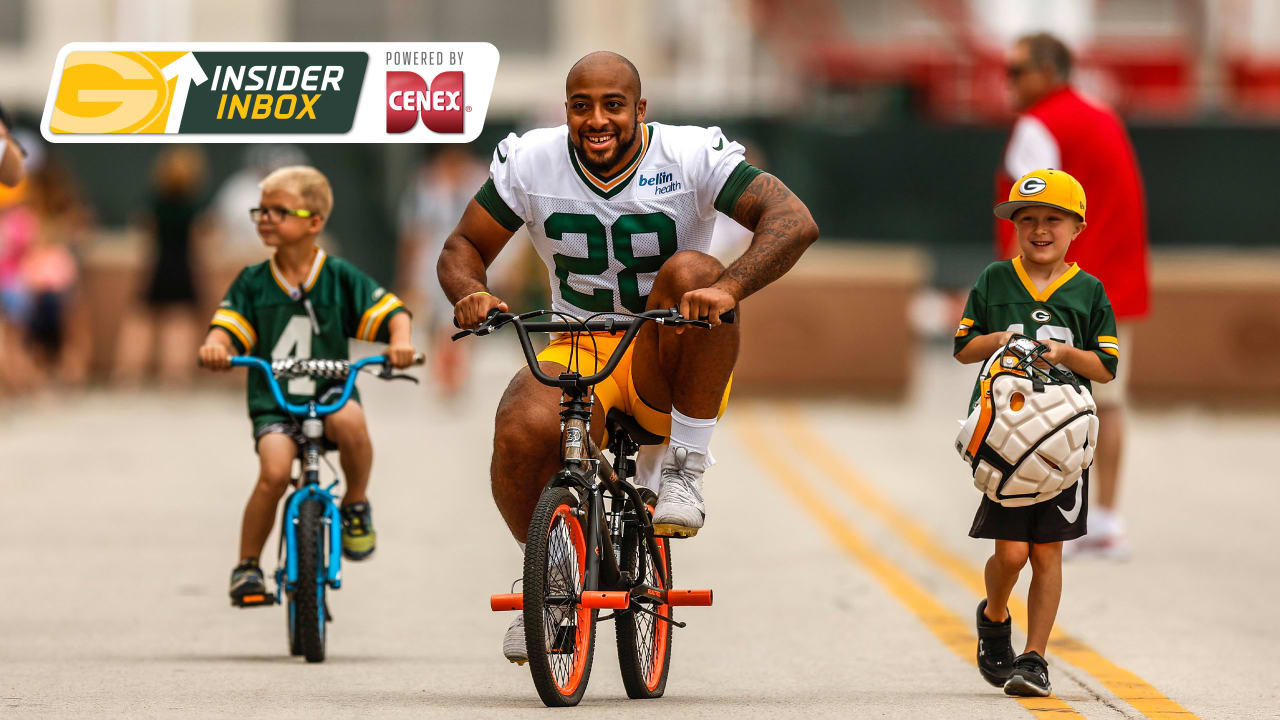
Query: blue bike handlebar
x=321 y=410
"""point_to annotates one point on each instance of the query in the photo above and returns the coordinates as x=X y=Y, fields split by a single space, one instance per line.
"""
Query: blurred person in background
x=1058 y=128
x=11 y=153
x=58 y=331
x=16 y=373
x=43 y=325
x=167 y=324
x=438 y=194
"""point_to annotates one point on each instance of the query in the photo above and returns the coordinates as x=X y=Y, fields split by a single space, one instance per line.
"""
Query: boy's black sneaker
x=358 y=538
x=248 y=585
x=1030 y=677
x=995 y=648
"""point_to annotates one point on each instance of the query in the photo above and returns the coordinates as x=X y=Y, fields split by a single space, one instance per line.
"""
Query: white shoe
x=1113 y=546
x=513 y=647
x=680 y=511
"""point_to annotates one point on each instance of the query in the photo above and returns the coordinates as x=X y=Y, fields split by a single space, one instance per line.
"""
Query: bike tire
x=559 y=637
x=309 y=593
x=644 y=641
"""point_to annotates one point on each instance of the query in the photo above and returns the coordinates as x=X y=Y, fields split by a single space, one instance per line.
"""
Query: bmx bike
x=591 y=544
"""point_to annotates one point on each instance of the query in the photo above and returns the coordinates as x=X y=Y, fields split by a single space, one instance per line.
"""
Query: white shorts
x=1116 y=392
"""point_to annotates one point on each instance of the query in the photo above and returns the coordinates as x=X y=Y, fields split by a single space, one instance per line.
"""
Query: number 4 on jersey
x=295 y=341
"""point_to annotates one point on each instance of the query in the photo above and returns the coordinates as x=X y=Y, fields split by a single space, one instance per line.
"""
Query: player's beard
x=620 y=150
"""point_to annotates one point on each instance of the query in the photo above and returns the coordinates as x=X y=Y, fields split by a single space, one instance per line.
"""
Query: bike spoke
x=560 y=612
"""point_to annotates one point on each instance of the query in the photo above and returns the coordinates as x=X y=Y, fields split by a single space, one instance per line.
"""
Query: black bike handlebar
x=629 y=326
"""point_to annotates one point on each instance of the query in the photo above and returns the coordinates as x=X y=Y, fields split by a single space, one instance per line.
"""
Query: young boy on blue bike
x=302 y=303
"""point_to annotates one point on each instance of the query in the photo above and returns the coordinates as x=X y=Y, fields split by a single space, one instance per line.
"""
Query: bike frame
x=585 y=466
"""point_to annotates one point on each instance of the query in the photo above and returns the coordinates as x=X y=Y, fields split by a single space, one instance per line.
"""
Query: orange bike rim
x=659 y=658
x=564 y=513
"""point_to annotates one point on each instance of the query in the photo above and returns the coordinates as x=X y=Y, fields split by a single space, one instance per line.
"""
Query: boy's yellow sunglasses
x=276 y=214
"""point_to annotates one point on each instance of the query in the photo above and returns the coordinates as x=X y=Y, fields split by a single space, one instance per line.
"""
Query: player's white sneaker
x=1112 y=546
x=513 y=647
x=680 y=512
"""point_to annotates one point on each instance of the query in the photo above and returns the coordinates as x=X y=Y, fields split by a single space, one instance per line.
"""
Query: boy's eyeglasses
x=276 y=214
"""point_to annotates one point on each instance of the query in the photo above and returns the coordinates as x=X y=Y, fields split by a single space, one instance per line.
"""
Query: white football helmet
x=1034 y=429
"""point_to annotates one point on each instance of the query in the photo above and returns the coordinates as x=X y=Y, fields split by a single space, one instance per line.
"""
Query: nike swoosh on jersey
x=501 y=158
x=719 y=145
x=1075 y=512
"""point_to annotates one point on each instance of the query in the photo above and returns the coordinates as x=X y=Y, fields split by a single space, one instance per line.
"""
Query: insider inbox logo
x=440 y=103
x=270 y=92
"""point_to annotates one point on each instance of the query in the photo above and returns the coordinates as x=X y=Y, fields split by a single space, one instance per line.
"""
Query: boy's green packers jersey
x=1074 y=310
x=266 y=317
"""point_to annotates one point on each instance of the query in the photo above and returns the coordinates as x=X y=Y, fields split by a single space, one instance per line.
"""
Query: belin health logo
x=440 y=105
x=176 y=92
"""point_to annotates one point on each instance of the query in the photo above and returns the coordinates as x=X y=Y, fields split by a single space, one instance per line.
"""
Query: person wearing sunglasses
x=302 y=303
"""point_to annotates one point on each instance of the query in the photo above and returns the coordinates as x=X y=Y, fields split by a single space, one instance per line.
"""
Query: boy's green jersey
x=1074 y=310
x=268 y=318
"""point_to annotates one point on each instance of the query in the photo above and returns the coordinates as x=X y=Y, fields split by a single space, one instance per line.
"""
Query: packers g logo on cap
x=1031 y=186
x=115 y=92
x=1050 y=188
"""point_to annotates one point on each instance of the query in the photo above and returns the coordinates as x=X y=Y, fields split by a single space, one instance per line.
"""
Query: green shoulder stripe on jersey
x=614 y=184
x=737 y=182
x=490 y=200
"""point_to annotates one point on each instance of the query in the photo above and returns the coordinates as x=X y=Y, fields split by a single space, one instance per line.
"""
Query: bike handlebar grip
x=699 y=598
x=606 y=600
x=506 y=601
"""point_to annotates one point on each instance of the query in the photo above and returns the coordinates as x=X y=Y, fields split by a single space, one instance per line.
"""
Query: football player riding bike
x=621 y=211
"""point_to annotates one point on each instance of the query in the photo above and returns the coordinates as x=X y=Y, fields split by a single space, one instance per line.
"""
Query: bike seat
x=618 y=420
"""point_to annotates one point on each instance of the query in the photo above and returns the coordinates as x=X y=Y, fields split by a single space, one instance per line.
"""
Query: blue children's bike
x=311 y=531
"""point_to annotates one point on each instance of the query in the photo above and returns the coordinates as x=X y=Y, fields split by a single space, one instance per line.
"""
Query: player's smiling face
x=1045 y=233
x=604 y=119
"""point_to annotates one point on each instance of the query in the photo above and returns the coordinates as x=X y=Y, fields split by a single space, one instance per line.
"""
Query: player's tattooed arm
x=783 y=229
x=467 y=252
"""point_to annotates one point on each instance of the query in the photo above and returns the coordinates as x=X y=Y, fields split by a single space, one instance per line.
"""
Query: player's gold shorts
x=617 y=390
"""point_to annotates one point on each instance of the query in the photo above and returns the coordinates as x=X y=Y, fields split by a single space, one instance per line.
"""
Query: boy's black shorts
x=1065 y=517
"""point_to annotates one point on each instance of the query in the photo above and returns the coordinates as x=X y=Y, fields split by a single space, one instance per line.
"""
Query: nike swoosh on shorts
x=1074 y=513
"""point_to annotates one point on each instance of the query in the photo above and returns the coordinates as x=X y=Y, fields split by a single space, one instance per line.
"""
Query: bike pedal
x=254 y=600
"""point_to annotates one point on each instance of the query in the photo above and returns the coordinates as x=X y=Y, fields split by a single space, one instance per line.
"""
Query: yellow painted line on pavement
x=949 y=628
x=1125 y=684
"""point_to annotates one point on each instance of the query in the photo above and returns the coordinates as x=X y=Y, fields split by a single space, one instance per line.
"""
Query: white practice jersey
x=604 y=239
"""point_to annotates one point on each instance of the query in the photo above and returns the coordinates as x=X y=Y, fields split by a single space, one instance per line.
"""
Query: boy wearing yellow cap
x=1039 y=295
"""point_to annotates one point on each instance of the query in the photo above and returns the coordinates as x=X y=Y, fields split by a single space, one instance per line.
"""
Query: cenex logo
x=440 y=105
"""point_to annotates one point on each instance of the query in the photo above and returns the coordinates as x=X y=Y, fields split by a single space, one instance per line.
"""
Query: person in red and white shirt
x=1061 y=129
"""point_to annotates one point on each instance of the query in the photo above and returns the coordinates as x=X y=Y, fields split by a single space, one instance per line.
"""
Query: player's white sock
x=649 y=466
x=693 y=434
